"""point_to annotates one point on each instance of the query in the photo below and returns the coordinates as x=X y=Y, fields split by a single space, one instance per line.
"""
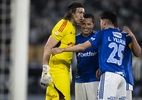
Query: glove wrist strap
x=46 y=67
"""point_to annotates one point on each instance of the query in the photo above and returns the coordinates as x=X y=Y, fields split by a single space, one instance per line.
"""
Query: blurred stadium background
x=25 y=25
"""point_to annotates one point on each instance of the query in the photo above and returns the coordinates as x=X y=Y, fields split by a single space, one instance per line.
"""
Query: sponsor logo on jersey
x=117 y=34
x=52 y=96
x=87 y=54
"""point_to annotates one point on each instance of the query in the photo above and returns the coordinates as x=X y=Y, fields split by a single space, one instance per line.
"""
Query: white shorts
x=86 y=91
x=129 y=89
x=112 y=87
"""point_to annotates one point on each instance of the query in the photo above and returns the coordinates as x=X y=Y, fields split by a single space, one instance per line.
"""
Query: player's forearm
x=46 y=55
x=46 y=59
x=79 y=47
x=75 y=48
x=136 y=47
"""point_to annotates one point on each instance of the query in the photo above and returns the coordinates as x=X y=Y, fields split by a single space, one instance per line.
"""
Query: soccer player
x=86 y=83
x=134 y=48
x=55 y=74
x=111 y=44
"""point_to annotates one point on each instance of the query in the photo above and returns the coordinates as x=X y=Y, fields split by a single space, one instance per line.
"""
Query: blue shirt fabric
x=87 y=61
x=111 y=44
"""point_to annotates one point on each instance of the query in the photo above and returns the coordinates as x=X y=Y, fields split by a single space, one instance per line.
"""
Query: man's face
x=78 y=15
x=87 y=26
x=102 y=23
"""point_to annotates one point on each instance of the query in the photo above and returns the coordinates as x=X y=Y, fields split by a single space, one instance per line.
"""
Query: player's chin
x=78 y=22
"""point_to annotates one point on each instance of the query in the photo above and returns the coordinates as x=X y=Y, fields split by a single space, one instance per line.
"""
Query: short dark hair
x=72 y=8
x=87 y=15
x=110 y=15
x=75 y=5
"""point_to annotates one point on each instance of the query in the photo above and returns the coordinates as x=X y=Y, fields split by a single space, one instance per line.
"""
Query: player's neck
x=86 y=35
x=109 y=26
x=73 y=22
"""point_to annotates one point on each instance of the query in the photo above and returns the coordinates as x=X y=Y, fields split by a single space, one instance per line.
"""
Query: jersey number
x=117 y=51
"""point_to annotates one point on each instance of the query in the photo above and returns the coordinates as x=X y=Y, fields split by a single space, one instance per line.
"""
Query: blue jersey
x=111 y=50
x=127 y=62
x=87 y=61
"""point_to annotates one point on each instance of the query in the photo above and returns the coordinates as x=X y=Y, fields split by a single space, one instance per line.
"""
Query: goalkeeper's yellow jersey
x=64 y=32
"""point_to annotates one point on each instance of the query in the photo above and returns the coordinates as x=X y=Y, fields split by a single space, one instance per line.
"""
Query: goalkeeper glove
x=45 y=77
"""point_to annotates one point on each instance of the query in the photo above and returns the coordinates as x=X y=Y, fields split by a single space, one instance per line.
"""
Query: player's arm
x=45 y=76
x=51 y=42
x=136 y=49
x=75 y=48
x=93 y=41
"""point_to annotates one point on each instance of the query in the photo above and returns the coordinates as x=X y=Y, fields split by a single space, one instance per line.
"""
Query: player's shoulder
x=61 y=25
x=92 y=33
x=100 y=32
x=62 y=22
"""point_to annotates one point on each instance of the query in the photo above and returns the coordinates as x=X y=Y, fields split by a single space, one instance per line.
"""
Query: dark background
x=44 y=14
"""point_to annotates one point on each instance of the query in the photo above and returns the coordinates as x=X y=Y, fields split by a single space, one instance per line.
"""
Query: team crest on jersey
x=92 y=38
x=117 y=34
x=56 y=32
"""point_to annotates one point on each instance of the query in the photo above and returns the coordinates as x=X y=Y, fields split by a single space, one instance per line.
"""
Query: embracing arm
x=136 y=49
x=75 y=48
x=79 y=47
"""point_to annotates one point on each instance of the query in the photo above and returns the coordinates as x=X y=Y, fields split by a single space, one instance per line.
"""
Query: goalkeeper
x=56 y=68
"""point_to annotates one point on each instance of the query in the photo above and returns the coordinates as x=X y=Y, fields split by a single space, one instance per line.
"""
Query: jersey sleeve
x=96 y=39
x=129 y=42
x=57 y=31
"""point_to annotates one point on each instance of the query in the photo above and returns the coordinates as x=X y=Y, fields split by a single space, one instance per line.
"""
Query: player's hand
x=45 y=77
x=129 y=32
x=56 y=50
x=98 y=73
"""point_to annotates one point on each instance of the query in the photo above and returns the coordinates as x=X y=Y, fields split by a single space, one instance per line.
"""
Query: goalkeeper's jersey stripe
x=62 y=26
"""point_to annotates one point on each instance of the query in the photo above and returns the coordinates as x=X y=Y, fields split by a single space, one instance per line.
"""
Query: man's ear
x=105 y=22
